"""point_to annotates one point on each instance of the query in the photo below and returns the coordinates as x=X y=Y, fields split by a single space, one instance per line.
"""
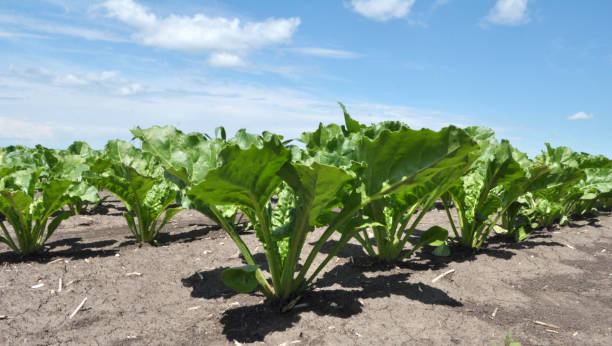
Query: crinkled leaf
x=247 y=177
x=186 y=157
x=407 y=161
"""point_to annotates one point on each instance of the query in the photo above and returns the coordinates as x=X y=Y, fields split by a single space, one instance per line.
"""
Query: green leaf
x=442 y=250
x=317 y=184
x=406 y=161
x=185 y=157
x=241 y=279
x=55 y=223
x=482 y=135
x=247 y=177
x=352 y=126
x=435 y=235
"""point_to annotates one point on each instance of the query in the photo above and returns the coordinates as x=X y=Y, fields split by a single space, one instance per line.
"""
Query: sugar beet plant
x=425 y=163
x=186 y=159
x=136 y=178
x=71 y=164
x=221 y=176
x=28 y=206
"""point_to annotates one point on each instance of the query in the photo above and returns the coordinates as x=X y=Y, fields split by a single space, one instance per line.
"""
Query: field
x=550 y=289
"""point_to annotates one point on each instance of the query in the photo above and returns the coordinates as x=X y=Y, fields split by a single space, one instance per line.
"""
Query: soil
x=552 y=289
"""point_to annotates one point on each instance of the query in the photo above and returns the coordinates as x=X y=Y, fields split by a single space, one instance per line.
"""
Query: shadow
x=185 y=237
x=353 y=276
x=208 y=285
x=76 y=245
x=348 y=250
x=253 y=323
x=76 y=251
x=166 y=238
x=110 y=206
x=590 y=221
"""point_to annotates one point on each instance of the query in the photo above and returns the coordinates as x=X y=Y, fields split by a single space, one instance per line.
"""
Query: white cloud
x=581 y=116
x=225 y=60
x=69 y=80
x=59 y=29
x=382 y=10
x=326 y=53
x=18 y=35
x=188 y=102
x=105 y=81
x=130 y=89
x=19 y=130
x=508 y=12
x=200 y=33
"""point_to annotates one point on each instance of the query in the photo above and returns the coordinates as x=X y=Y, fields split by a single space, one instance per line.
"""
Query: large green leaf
x=317 y=184
x=247 y=177
x=407 y=160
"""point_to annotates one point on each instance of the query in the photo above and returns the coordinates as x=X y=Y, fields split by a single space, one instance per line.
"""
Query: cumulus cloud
x=508 y=12
x=382 y=10
x=326 y=53
x=226 y=39
x=581 y=116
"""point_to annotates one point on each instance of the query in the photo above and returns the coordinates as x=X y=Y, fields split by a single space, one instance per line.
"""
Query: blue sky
x=535 y=71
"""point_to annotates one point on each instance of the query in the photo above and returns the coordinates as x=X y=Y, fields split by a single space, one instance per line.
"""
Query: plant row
x=371 y=183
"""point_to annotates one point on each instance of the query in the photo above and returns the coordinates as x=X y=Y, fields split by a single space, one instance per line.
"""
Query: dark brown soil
x=172 y=294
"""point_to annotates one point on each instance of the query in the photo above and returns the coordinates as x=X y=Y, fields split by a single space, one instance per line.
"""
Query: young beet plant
x=70 y=164
x=186 y=159
x=489 y=192
x=424 y=163
x=136 y=178
x=28 y=207
x=430 y=162
x=248 y=178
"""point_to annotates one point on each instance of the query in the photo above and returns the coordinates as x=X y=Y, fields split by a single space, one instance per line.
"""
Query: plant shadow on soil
x=252 y=323
x=76 y=251
x=208 y=284
x=166 y=238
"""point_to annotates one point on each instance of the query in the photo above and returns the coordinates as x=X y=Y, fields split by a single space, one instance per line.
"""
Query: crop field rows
x=362 y=234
